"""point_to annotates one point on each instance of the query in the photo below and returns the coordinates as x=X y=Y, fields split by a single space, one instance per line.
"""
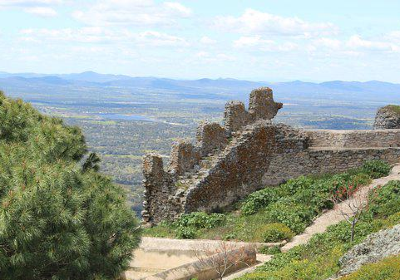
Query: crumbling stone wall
x=158 y=190
x=248 y=153
x=184 y=156
x=235 y=116
x=211 y=137
x=262 y=104
x=261 y=107
x=241 y=169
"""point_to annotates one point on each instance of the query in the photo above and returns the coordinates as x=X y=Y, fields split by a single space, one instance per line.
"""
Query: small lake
x=126 y=117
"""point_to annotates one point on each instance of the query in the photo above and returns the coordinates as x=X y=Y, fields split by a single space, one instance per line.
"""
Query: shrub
x=394 y=219
x=187 y=225
x=200 y=220
x=186 y=232
x=294 y=216
x=376 y=168
x=386 y=200
x=270 y=250
x=276 y=232
x=387 y=269
x=259 y=200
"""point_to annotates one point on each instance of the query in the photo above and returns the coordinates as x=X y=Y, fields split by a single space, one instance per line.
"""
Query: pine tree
x=57 y=221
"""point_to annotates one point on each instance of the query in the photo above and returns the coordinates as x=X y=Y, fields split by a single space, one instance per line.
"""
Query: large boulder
x=375 y=247
x=388 y=117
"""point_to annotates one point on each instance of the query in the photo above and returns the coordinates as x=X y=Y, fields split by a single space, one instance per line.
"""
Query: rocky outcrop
x=388 y=117
x=376 y=247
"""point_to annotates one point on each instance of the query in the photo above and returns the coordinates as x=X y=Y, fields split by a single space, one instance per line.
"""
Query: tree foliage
x=56 y=221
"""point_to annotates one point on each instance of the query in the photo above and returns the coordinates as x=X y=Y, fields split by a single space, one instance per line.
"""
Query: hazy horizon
x=248 y=40
x=191 y=79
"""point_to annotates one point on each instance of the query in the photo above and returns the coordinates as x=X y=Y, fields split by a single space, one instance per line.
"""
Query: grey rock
x=375 y=247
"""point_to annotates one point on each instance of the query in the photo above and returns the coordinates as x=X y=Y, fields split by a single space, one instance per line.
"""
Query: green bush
x=56 y=221
x=295 y=216
x=186 y=232
x=270 y=250
x=187 y=225
x=376 y=168
x=200 y=220
x=276 y=232
x=386 y=200
x=394 y=219
x=387 y=269
x=259 y=200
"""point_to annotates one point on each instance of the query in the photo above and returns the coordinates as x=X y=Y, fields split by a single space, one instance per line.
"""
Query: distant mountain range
x=213 y=88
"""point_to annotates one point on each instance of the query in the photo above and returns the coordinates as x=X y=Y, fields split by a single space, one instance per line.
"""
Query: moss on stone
x=393 y=108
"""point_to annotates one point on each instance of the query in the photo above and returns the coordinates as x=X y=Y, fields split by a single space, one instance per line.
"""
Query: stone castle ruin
x=250 y=152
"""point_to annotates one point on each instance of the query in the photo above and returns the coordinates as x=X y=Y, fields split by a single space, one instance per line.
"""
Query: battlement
x=226 y=163
x=261 y=107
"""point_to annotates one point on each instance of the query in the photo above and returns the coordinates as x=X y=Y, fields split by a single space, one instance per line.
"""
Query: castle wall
x=159 y=202
x=322 y=161
x=354 y=138
x=241 y=169
x=248 y=153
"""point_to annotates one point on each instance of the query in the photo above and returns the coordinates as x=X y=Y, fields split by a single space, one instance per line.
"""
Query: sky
x=259 y=40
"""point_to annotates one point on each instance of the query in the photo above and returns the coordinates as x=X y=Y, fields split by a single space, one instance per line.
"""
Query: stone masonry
x=248 y=153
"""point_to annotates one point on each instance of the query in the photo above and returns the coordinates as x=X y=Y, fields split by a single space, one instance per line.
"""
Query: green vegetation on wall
x=56 y=220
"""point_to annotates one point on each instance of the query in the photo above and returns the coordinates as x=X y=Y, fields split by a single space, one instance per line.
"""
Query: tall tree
x=57 y=221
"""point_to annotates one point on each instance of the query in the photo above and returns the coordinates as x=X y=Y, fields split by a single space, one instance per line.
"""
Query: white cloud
x=207 y=57
x=101 y=35
x=328 y=43
x=132 y=12
x=207 y=40
x=258 y=43
x=28 y=3
x=83 y=35
x=41 y=11
x=178 y=9
x=155 y=38
x=40 y=8
x=358 y=43
x=256 y=22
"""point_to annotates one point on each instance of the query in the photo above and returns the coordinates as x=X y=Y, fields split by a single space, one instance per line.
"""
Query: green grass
x=387 y=269
x=319 y=258
x=289 y=208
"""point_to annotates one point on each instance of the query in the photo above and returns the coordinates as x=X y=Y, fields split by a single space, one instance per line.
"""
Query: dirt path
x=333 y=216
x=327 y=219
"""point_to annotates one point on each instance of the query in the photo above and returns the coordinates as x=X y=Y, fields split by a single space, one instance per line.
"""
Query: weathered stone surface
x=261 y=107
x=376 y=247
x=354 y=138
x=262 y=104
x=235 y=116
x=216 y=173
x=211 y=137
x=184 y=156
x=388 y=117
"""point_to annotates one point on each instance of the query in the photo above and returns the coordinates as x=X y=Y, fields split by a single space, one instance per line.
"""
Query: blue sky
x=255 y=40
